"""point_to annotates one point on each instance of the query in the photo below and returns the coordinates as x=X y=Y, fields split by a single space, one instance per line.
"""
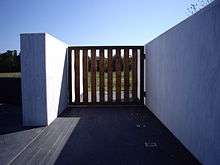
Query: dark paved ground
x=13 y=136
x=105 y=136
x=105 y=96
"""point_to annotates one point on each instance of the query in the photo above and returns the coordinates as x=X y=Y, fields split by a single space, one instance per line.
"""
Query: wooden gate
x=106 y=75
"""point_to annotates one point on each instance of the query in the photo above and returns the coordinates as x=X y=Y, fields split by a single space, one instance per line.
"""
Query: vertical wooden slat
x=109 y=75
x=77 y=76
x=85 y=75
x=118 y=74
x=137 y=69
x=93 y=74
x=134 y=74
x=126 y=74
x=101 y=75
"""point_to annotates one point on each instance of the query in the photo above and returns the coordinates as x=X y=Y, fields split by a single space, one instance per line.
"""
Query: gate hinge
x=145 y=55
x=145 y=93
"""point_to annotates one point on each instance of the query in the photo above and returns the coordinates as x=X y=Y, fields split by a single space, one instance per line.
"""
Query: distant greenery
x=106 y=80
x=106 y=63
x=10 y=62
x=10 y=75
x=197 y=5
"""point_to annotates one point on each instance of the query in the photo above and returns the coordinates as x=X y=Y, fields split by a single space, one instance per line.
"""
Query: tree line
x=106 y=64
x=197 y=5
x=10 y=62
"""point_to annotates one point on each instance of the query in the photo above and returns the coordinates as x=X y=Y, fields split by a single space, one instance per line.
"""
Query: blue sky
x=90 y=22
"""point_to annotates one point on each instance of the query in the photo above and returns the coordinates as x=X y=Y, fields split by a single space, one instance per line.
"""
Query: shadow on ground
x=13 y=136
x=105 y=136
x=11 y=119
x=131 y=136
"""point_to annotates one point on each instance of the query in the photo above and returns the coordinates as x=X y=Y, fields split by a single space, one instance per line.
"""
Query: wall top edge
x=44 y=35
x=32 y=34
x=204 y=10
x=47 y=35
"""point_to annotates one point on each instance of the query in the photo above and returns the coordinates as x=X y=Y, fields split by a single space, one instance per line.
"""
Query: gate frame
x=142 y=92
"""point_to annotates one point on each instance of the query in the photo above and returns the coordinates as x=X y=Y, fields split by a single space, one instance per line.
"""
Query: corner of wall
x=44 y=78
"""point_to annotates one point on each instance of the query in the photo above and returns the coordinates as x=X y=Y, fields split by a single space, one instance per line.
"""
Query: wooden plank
x=126 y=74
x=101 y=76
x=85 y=75
x=118 y=74
x=93 y=74
x=109 y=75
x=77 y=76
x=134 y=74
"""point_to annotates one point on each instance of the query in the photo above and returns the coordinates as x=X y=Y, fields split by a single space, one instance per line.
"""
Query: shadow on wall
x=63 y=98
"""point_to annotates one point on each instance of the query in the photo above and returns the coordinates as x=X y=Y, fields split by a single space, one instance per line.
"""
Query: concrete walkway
x=81 y=136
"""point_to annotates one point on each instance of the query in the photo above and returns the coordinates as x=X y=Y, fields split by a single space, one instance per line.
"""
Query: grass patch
x=18 y=75
x=10 y=75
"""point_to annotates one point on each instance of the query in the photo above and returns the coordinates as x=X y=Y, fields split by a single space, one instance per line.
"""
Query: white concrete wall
x=183 y=82
x=44 y=78
x=56 y=76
